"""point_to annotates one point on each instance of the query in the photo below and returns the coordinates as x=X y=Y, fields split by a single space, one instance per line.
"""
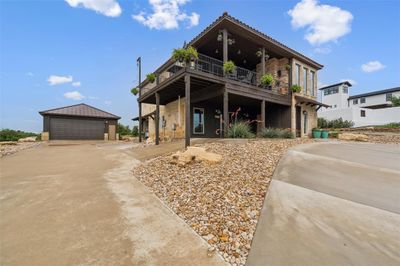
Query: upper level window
x=331 y=90
x=388 y=97
x=355 y=101
x=312 y=85
x=198 y=120
x=297 y=74
x=345 y=89
x=305 y=81
x=362 y=100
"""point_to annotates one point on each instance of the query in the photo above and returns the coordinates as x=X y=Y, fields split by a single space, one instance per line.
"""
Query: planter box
x=316 y=134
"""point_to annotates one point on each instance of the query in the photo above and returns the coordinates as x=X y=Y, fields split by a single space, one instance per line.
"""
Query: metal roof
x=336 y=84
x=81 y=110
x=375 y=93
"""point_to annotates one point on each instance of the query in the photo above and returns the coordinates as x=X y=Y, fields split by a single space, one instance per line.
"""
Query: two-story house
x=198 y=100
x=367 y=109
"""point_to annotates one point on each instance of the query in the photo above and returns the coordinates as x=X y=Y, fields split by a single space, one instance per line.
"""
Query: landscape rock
x=353 y=136
x=194 y=154
x=27 y=139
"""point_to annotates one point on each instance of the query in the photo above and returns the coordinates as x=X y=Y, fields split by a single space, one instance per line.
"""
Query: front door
x=111 y=132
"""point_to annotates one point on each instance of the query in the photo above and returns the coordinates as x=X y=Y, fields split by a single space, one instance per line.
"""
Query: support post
x=225 y=45
x=263 y=61
x=139 y=64
x=293 y=115
x=262 y=114
x=226 y=112
x=187 y=111
x=157 y=120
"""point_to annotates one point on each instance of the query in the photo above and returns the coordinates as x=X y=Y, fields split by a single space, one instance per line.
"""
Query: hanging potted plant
x=267 y=80
x=151 y=77
x=296 y=88
x=135 y=91
x=229 y=67
x=259 y=53
x=287 y=67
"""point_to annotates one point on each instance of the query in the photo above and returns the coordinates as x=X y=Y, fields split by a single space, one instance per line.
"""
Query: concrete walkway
x=80 y=205
x=332 y=204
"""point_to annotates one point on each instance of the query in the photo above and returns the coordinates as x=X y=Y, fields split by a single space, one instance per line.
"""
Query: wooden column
x=262 y=114
x=263 y=61
x=226 y=112
x=157 y=121
x=225 y=45
x=187 y=110
x=139 y=63
x=293 y=115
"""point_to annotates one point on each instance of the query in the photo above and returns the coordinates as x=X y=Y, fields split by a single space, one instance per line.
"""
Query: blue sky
x=56 y=53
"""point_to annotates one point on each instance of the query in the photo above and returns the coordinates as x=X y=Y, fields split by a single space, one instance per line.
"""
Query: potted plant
x=191 y=54
x=287 y=67
x=135 y=91
x=151 y=77
x=296 y=88
x=179 y=54
x=316 y=133
x=185 y=55
x=267 y=80
x=324 y=134
x=259 y=53
x=229 y=67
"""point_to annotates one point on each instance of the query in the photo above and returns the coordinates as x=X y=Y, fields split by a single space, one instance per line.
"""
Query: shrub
x=395 y=100
x=390 y=125
x=267 y=79
x=151 y=77
x=336 y=123
x=123 y=130
x=277 y=133
x=135 y=91
x=14 y=135
x=240 y=129
x=296 y=88
x=229 y=67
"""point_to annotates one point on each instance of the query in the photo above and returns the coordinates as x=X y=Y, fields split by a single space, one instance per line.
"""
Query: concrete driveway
x=332 y=204
x=80 y=205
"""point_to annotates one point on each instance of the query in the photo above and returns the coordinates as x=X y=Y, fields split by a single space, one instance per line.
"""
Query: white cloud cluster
x=74 y=95
x=76 y=84
x=324 y=23
x=56 y=80
x=109 y=8
x=372 y=66
x=352 y=81
x=166 y=15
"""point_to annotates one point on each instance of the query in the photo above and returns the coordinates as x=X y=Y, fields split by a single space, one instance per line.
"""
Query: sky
x=58 y=53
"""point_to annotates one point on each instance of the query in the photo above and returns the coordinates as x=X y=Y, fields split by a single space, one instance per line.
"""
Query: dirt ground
x=80 y=205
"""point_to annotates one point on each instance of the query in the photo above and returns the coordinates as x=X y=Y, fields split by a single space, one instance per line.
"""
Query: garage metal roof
x=82 y=110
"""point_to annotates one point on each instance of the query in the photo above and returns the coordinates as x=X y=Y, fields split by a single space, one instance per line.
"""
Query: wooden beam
x=226 y=112
x=262 y=114
x=157 y=121
x=212 y=92
x=225 y=45
x=263 y=61
x=187 y=110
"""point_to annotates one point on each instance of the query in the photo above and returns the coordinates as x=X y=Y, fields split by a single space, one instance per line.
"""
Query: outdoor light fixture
x=239 y=51
x=266 y=57
x=216 y=51
x=231 y=41
x=219 y=37
x=244 y=61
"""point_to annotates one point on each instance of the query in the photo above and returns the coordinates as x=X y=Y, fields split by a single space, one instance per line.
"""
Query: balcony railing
x=214 y=66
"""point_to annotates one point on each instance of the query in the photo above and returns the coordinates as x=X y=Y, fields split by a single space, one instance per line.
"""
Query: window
x=305 y=81
x=388 y=97
x=312 y=85
x=345 y=89
x=362 y=113
x=362 y=100
x=298 y=74
x=355 y=101
x=331 y=90
x=198 y=120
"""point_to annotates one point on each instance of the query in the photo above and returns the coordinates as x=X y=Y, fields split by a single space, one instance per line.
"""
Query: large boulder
x=195 y=154
x=27 y=139
x=353 y=136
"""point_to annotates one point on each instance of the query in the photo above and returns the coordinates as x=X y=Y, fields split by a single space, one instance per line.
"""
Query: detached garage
x=79 y=122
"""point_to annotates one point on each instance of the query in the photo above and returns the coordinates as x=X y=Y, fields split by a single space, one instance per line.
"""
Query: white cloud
x=74 y=95
x=76 y=84
x=324 y=23
x=352 y=81
x=56 y=80
x=167 y=15
x=109 y=8
x=108 y=102
x=372 y=66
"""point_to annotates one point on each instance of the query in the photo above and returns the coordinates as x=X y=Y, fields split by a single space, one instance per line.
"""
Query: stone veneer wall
x=272 y=66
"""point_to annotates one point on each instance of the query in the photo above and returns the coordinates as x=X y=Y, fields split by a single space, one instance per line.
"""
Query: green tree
x=395 y=100
x=124 y=130
x=135 y=131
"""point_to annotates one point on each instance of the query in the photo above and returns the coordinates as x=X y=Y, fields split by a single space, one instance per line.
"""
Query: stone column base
x=105 y=136
x=45 y=136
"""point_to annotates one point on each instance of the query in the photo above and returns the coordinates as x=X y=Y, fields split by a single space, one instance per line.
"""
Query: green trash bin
x=325 y=134
x=316 y=133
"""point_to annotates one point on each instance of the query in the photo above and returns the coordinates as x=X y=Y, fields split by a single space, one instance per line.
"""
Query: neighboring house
x=198 y=100
x=367 y=109
x=79 y=122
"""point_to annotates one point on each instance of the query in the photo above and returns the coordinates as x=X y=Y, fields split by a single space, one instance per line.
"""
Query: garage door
x=76 y=129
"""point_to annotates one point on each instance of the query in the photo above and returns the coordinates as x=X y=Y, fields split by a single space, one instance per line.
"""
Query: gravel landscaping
x=220 y=201
x=10 y=147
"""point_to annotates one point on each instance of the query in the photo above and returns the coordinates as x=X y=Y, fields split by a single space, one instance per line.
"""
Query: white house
x=367 y=109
